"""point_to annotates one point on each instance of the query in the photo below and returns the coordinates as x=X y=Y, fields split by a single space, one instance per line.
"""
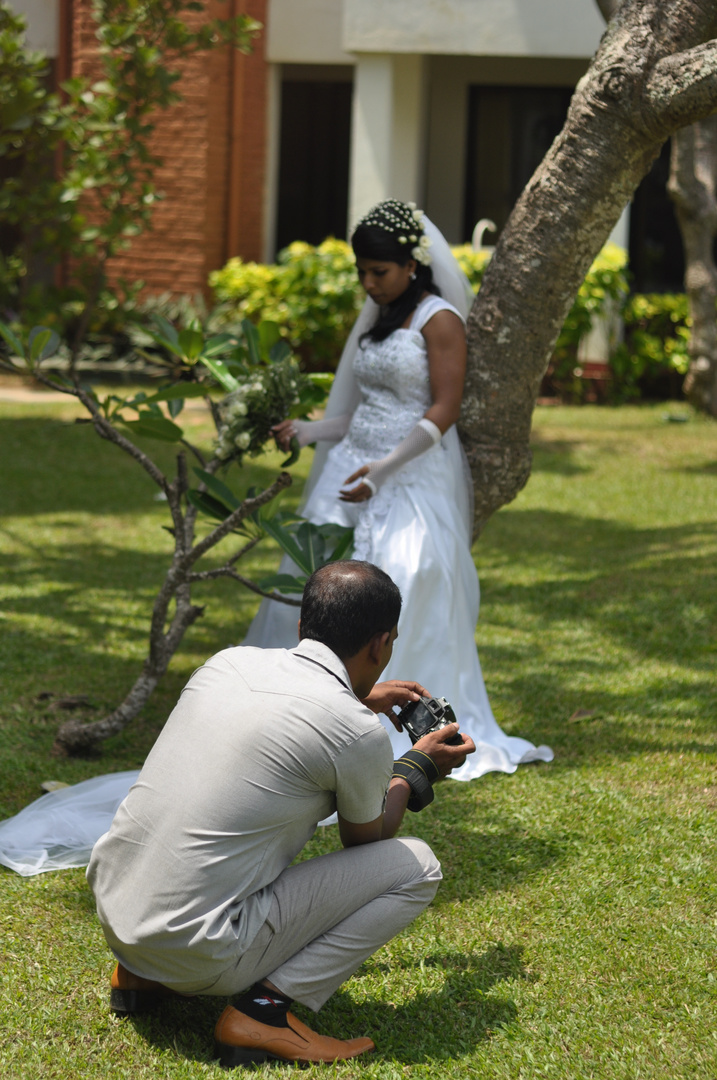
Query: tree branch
x=107 y=431
x=237 y=516
x=682 y=89
x=227 y=571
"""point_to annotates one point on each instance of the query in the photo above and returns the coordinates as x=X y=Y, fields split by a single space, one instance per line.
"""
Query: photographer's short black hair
x=346 y=603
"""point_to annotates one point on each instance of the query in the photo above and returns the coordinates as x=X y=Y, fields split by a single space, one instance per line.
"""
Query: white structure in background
x=42 y=18
x=415 y=63
x=450 y=103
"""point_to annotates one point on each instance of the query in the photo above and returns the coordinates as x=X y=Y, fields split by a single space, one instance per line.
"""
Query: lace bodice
x=392 y=376
x=395 y=392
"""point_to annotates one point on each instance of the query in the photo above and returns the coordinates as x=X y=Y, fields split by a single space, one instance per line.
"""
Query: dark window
x=657 y=262
x=313 y=161
x=510 y=129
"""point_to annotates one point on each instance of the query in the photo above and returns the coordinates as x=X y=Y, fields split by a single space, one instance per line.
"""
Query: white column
x=43 y=23
x=271 y=184
x=620 y=235
x=387 y=131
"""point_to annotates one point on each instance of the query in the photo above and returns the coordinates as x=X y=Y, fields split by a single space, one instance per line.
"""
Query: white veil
x=345 y=396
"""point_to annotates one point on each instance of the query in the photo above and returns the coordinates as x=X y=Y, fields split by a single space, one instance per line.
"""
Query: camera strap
x=421 y=772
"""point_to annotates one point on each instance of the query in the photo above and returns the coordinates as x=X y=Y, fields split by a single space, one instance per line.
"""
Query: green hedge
x=312 y=294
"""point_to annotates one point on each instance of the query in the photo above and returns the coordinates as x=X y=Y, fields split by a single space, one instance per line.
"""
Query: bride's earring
x=413 y=277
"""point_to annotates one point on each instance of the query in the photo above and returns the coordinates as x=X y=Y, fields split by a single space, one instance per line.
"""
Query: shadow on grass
x=51 y=466
x=555 y=456
x=447 y=1022
x=647 y=592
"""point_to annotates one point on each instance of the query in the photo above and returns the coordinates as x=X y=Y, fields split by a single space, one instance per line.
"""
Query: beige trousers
x=330 y=913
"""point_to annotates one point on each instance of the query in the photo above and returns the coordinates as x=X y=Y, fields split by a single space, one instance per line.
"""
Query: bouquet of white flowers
x=263 y=398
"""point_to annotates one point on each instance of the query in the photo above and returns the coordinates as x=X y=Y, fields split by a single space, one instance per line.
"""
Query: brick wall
x=213 y=148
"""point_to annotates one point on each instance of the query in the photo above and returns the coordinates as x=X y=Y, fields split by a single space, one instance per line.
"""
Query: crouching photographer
x=193 y=882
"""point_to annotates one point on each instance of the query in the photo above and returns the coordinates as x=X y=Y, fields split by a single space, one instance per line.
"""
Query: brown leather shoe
x=130 y=993
x=239 y=1040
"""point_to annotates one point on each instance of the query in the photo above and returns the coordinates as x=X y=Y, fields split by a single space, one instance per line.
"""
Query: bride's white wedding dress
x=416 y=529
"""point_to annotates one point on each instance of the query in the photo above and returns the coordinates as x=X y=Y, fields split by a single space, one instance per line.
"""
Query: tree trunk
x=654 y=72
x=693 y=174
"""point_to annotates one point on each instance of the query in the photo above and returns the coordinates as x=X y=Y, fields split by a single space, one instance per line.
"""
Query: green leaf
x=218 y=344
x=344 y=537
x=283 y=583
x=191 y=343
x=42 y=343
x=221 y=373
x=253 y=343
x=175 y=406
x=285 y=540
x=179 y=390
x=166 y=334
x=311 y=541
x=322 y=379
x=208 y=505
x=280 y=351
x=294 y=455
x=154 y=427
x=14 y=342
x=218 y=489
x=268 y=335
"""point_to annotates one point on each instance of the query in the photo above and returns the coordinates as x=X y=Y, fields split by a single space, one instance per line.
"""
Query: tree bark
x=693 y=174
x=654 y=72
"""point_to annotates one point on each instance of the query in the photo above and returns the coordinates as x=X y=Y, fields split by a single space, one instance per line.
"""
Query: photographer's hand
x=394 y=692
x=446 y=757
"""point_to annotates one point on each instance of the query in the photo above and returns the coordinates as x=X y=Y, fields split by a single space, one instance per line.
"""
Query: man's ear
x=376 y=646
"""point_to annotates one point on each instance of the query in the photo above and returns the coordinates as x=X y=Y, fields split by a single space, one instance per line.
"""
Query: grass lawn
x=574 y=935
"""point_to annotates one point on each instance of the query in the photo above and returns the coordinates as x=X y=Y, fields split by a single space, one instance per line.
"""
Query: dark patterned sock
x=265 y=1005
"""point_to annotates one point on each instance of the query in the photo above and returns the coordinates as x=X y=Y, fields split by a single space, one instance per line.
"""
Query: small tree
x=102 y=197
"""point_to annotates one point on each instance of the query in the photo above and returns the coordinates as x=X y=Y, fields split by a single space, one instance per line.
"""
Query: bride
x=389 y=464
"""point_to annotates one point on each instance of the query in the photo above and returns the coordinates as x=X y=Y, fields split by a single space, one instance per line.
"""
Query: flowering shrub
x=472 y=263
x=311 y=294
x=603 y=293
x=653 y=359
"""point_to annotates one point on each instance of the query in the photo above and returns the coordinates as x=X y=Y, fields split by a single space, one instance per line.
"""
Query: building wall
x=479 y=27
x=42 y=23
x=306 y=32
x=213 y=146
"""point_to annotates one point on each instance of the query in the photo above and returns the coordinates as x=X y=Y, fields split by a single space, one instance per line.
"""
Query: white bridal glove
x=421 y=438
x=309 y=431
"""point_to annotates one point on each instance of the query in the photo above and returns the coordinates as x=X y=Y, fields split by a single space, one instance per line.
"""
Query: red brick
x=213 y=146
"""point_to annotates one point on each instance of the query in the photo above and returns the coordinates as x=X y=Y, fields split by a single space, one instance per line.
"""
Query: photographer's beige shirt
x=262 y=745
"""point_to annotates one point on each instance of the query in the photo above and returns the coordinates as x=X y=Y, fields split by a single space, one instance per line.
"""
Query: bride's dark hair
x=371 y=241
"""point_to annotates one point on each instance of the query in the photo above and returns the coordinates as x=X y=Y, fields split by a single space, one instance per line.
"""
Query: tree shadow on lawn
x=51 y=466
x=431 y=1026
x=650 y=589
x=556 y=456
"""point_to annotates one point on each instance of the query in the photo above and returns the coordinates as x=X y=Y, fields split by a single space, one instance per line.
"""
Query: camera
x=428 y=714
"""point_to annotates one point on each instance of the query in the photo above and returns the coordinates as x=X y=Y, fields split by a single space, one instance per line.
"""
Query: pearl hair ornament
x=405 y=220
